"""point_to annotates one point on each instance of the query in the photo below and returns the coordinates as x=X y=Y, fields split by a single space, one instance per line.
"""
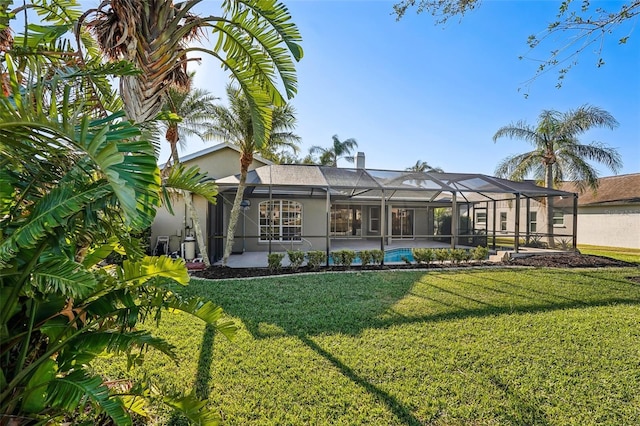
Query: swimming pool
x=394 y=255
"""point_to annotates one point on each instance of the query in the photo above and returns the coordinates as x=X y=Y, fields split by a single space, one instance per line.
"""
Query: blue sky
x=409 y=90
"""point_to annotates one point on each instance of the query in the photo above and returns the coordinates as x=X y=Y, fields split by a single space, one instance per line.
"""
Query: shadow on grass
x=203 y=373
x=348 y=305
x=400 y=411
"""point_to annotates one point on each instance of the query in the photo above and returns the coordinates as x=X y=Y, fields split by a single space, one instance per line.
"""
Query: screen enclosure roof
x=372 y=184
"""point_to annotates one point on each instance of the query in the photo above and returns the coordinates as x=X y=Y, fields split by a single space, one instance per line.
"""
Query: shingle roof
x=623 y=189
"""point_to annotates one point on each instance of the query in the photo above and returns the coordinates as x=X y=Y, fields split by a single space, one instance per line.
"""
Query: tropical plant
x=74 y=186
x=423 y=166
x=339 y=149
x=234 y=124
x=187 y=113
x=254 y=40
x=557 y=153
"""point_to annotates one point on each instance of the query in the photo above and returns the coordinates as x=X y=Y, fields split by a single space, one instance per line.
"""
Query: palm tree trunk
x=235 y=214
x=549 y=181
x=196 y=228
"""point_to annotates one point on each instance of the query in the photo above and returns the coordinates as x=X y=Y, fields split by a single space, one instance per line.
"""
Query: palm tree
x=256 y=42
x=339 y=149
x=423 y=166
x=234 y=124
x=189 y=113
x=557 y=153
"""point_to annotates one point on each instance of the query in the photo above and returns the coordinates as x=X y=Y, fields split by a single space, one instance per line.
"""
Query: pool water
x=390 y=256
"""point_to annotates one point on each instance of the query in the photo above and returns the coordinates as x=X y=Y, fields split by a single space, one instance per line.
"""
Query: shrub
x=405 y=259
x=343 y=257
x=316 y=258
x=564 y=244
x=275 y=261
x=377 y=256
x=535 y=241
x=296 y=257
x=458 y=255
x=442 y=255
x=423 y=255
x=366 y=257
x=480 y=253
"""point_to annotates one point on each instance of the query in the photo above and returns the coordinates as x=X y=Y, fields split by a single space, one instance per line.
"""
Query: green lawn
x=625 y=254
x=482 y=347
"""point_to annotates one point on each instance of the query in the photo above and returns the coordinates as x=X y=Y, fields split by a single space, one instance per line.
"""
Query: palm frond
x=207 y=312
x=70 y=392
x=190 y=179
x=58 y=274
x=138 y=272
x=194 y=409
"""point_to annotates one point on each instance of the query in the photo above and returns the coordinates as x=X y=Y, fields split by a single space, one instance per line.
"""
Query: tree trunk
x=196 y=228
x=549 y=181
x=233 y=217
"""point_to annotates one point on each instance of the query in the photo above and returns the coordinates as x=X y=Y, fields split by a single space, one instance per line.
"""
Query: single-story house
x=610 y=216
x=310 y=207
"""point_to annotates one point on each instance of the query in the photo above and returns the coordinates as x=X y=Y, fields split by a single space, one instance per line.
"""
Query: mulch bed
x=543 y=261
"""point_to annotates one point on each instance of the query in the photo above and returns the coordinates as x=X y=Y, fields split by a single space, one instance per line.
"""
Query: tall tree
x=188 y=114
x=579 y=26
x=234 y=124
x=423 y=166
x=255 y=40
x=557 y=153
x=338 y=149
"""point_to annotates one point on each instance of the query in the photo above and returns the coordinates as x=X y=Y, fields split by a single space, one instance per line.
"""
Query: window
x=533 y=221
x=481 y=218
x=374 y=219
x=280 y=219
x=558 y=218
x=503 y=221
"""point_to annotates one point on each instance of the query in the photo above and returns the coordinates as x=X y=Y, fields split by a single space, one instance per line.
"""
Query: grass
x=625 y=254
x=483 y=347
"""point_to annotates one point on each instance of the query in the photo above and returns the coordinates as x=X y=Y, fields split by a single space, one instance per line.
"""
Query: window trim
x=561 y=217
x=504 y=222
x=483 y=213
x=279 y=237
x=533 y=222
x=372 y=219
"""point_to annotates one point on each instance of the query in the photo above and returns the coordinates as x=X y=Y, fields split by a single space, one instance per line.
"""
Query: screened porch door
x=402 y=223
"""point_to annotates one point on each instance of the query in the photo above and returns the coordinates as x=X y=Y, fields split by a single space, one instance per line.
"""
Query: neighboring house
x=611 y=215
x=310 y=207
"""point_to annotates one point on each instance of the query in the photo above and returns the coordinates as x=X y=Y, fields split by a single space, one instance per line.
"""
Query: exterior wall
x=314 y=225
x=220 y=163
x=612 y=226
x=561 y=231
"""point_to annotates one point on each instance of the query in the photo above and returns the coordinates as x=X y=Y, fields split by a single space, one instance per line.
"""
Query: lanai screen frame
x=362 y=184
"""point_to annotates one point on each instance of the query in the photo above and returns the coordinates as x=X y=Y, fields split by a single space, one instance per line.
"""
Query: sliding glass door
x=402 y=223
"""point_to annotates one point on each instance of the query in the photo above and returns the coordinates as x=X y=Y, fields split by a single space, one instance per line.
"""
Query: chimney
x=360 y=160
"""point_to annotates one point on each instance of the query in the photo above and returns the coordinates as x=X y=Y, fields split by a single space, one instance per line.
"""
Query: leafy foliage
x=78 y=182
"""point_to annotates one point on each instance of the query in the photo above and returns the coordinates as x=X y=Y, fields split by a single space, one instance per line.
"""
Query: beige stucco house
x=310 y=207
x=611 y=215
